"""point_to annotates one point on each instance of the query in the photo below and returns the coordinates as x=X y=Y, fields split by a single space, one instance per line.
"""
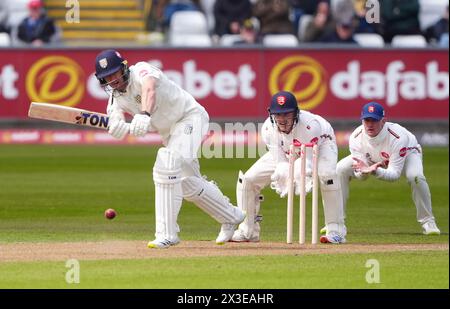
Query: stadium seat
x=5 y=39
x=229 y=39
x=431 y=11
x=191 y=40
x=369 y=39
x=189 y=28
x=280 y=40
x=189 y=22
x=409 y=41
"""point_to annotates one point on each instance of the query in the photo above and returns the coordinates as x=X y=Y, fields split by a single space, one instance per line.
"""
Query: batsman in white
x=285 y=125
x=158 y=104
x=387 y=150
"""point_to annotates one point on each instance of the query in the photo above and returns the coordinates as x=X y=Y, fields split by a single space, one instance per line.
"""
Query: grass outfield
x=59 y=193
x=397 y=270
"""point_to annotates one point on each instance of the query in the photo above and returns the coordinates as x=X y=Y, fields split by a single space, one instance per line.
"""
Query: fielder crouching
x=157 y=104
x=387 y=151
x=284 y=126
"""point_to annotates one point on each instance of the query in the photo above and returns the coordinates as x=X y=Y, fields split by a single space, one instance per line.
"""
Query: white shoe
x=162 y=243
x=239 y=236
x=227 y=230
x=332 y=238
x=430 y=228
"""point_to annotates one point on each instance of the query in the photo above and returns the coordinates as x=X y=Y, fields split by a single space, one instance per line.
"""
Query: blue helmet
x=109 y=62
x=283 y=102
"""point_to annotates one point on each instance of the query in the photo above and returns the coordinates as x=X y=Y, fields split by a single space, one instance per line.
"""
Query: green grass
x=396 y=270
x=59 y=193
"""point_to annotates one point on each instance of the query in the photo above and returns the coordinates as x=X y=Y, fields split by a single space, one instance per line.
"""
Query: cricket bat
x=67 y=114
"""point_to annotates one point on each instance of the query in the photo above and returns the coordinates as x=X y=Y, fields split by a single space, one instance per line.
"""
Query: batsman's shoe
x=162 y=243
x=323 y=230
x=239 y=236
x=430 y=228
x=332 y=238
x=227 y=230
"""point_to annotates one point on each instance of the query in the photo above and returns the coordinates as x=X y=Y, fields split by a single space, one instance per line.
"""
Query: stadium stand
x=118 y=20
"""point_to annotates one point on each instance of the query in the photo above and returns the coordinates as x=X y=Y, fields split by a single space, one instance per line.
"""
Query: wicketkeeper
x=386 y=151
x=158 y=104
x=286 y=124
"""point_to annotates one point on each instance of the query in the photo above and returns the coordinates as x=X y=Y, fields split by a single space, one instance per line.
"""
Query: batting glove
x=119 y=128
x=140 y=125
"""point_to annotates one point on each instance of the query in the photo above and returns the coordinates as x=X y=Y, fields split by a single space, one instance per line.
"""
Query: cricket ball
x=110 y=213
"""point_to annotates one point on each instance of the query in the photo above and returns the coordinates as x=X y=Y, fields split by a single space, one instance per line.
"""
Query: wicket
x=291 y=192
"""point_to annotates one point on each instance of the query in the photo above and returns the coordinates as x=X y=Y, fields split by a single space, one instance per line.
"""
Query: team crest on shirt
x=138 y=99
x=188 y=129
x=402 y=152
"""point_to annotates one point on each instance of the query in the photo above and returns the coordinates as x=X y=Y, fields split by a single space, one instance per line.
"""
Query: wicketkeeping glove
x=139 y=125
x=280 y=179
x=308 y=177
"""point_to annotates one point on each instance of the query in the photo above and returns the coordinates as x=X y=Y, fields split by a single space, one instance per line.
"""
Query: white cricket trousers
x=412 y=170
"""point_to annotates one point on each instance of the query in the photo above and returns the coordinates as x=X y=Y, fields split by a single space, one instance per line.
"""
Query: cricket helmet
x=109 y=62
x=283 y=102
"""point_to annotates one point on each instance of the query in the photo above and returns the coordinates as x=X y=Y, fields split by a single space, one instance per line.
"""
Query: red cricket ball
x=110 y=213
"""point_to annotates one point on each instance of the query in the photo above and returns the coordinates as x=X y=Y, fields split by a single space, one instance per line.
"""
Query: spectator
x=399 y=17
x=36 y=29
x=439 y=31
x=273 y=16
x=166 y=8
x=360 y=15
x=230 y=14
x=343 y=33
x=3 y=19
x=300 y=8
x=247 y=32
x=322 y=24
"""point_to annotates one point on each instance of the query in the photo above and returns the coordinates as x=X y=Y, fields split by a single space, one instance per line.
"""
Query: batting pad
x=249 y=202
x=332 y=203
x=168 y=193
x=210 y=199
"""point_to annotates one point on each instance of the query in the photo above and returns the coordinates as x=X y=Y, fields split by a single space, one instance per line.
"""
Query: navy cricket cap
x=108 y=62
x=283 y=102
x=372 y=110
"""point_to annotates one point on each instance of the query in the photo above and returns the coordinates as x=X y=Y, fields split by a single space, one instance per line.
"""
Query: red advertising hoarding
x=237 y=84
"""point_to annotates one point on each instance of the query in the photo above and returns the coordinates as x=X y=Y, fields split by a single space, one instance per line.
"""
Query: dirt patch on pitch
x=104 y=250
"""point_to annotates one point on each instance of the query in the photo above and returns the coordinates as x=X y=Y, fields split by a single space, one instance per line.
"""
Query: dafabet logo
x=301 y=75
x=55 y=79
